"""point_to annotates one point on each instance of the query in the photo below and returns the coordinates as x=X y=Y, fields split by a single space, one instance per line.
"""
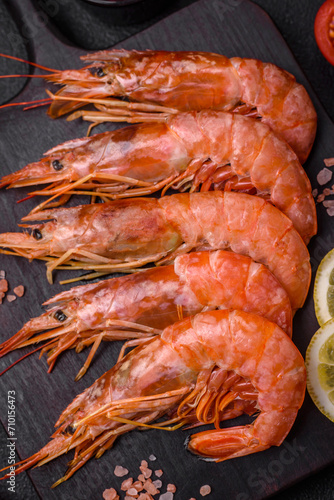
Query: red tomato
x=324 y=30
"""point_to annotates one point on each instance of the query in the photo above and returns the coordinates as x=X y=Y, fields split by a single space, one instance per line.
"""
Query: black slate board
x=231 y=27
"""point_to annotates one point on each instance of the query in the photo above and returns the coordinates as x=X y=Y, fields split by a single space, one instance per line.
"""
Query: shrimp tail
x=223 y=444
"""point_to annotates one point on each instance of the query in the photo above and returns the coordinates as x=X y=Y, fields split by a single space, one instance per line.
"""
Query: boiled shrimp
x=143 y=304
x=127 y=234
x=206 y=368
x=198 y=150
x=168 y=82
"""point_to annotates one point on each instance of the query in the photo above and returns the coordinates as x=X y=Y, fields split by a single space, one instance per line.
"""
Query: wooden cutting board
x=232 y=28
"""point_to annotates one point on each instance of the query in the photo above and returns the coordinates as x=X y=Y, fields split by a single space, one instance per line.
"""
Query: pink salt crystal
x=320 y=198
x=2 y=294
x=19 y=290
x=144 y=463
x=3 y=285
x=150 y=488
x=146 y=472
x=324 y=176
x=171 y=487
x=327 y=192
x=152 y=458
x=145 y=496
x=330 y=211
x=329 y=162
x=158 y=472
x=138 y=485
x=132 y=492
x=205 y=490
x=166 y=496
x=127 y=483
x=141 y=478
x=110 y=494
x=328 y=203
x=2 y=274
x=120 y=471
x=127 y=497
x=157 y=483
x=192 y=498
x=314 y=193
x=10 y=298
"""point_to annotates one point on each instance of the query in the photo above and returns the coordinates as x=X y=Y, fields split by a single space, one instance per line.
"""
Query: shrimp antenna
x=28 y=62
x=31 y=104
x=25 y=356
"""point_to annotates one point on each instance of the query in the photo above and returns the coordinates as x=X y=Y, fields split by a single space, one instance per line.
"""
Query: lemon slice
x=324 y=289
x=320 y=369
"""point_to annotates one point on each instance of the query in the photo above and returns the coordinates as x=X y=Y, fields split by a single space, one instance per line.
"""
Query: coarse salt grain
x=2 y=274
x=110 y=494
x=120 y=471
x=2 y=294
x=150 y=487
x=19 y=290
x=132 y=492
x=166 y=496
x=127 y=497
x=324 y=176
x=141 y=478
x=158 y=472
x=320 y=198
x=11 y=298
x=329 y=162
x=171 y=487
x=314 y=193
x=146 y=472
x=328 y=203
x=138 y=485
x=145 y=496
x=127 y=483
x=205 y=490
x=330 y=211
x=3 y=285
x=157 y=483
x=143 y=463
x=152 y=458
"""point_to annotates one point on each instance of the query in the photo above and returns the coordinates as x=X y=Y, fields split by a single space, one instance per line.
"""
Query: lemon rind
x=323 y=272
x=311 y=361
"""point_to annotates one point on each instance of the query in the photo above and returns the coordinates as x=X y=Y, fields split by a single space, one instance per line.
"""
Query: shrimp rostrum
x=202 y=370
x=141 y=305
x=168 y=82
x=198 y=150
x=126 y=234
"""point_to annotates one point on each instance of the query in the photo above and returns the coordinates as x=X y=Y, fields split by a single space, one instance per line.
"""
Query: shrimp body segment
x=187 y=81
x=204 y=369
x=197 y=150
x=155 y=299
x=124 y=234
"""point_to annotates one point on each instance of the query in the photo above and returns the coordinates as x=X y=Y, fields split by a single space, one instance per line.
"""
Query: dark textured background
x=92 y=29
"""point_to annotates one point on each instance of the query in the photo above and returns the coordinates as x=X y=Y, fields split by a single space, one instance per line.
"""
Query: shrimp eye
x=69 y=430
x=36 y=234
x=97 y=72
x=57 y=165
x=60 y=315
